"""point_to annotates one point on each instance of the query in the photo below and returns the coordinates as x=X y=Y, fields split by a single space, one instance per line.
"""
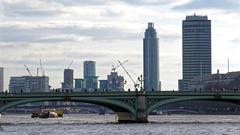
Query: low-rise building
x=103 y=84
x=29 y=84
x=80 y=84
x=228 y=81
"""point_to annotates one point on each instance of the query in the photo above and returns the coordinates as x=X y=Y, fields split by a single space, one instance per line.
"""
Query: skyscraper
x=89 y=68
x=196 y=48
x=151 y=59
x=1 y=79
x=90 y=77
x=68 y=79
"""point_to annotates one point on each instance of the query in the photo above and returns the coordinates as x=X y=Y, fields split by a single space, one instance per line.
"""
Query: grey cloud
x=210 y=4
x=235 y=40
x=54 y=34
x=80 y=2
x=17 y=34
x=62 y=59
x=148 y=2
x=108 y=2
x=22 y=9
x=70 y=33
x=169 y=37
x=7 y=46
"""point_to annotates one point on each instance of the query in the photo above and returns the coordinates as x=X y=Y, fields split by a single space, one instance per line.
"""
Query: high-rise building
x=89 y=68
x=29 y=84
x=1 y=79
x=68 y=79
x=151 y=59
x=115 y=82
x=90 y=77
x=196 y=48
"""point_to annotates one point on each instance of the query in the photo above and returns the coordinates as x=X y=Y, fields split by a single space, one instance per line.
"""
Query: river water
x=93 y=124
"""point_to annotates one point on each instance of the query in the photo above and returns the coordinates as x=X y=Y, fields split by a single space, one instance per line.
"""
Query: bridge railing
x=104 y=92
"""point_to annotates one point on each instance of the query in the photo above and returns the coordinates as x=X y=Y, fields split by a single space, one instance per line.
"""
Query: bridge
x=130 y=106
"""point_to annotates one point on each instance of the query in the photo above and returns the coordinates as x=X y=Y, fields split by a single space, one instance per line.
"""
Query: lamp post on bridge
x=140 y=79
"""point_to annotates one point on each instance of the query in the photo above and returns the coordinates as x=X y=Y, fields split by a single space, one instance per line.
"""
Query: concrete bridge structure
x=132 y=106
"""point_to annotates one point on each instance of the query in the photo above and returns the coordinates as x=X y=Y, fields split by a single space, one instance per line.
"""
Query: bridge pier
x=140 y=115
x=125 y=117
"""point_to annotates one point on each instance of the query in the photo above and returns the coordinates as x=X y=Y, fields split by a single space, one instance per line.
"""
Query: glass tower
x=90 y=77
x=89 y=68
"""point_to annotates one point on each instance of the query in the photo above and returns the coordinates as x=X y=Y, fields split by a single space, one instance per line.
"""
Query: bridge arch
x=117 y=106
x=231 y=99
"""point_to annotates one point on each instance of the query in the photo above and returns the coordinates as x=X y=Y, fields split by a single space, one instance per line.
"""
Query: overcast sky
x=59 y=31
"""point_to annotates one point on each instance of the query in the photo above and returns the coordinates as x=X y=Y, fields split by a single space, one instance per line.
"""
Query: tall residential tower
x=196 y=49
x=151 y=59
x=90 y=77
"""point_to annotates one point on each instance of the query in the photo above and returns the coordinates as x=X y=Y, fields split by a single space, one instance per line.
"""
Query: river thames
x=93 y=124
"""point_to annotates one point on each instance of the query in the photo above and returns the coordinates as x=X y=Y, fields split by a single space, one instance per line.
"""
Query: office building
x=80 y=84
x=91 y=80
x=115 y=82
x=1 y=79
x=151 y=59
x=68 y=79
x=196 y=49
x=103 y=84
x=91 y=83
x=29 y=84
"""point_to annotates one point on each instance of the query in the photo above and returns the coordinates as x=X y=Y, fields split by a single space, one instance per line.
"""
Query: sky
x=59 y=31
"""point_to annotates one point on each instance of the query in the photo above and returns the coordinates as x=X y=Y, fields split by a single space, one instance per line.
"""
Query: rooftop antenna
x=37 y=71
x=42 y=70
x=228 y=64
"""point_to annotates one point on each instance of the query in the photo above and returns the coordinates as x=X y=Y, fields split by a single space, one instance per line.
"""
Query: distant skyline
x=59 y=31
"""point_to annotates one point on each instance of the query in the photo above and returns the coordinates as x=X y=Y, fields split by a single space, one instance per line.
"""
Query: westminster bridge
x=130 y=106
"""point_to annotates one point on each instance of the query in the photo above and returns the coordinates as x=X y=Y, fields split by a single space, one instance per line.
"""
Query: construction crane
x=28 y=70
x=115 y=67
x=42 y=70
x=37 y=71
x=135 y=84
x=70 y=64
